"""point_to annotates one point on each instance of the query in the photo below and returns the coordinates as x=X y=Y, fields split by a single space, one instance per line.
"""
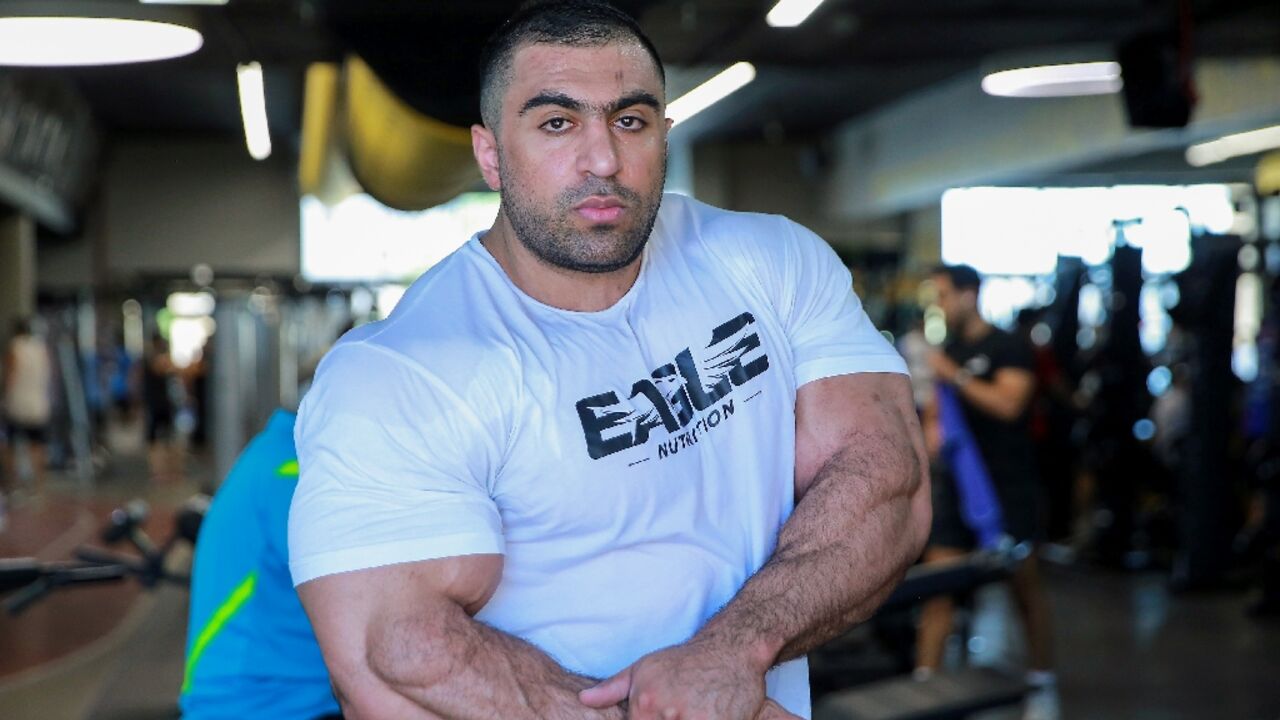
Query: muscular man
x=618 y=435
x=992 y=374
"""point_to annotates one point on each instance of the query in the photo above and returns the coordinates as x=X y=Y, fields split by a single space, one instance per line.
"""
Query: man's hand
x=773 y=711
x=694 y=681
x=944 y=368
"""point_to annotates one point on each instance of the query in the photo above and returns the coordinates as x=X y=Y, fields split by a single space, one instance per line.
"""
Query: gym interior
x=185 y=228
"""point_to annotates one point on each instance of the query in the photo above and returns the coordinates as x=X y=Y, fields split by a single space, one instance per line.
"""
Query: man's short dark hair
x=962 y=277
x=572 y=23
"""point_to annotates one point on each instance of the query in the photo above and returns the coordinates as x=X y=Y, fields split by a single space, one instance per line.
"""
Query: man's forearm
x=847 y=544
x=461 y=669
x=1000 y=403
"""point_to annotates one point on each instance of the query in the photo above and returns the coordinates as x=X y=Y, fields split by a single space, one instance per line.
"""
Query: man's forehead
x=624 y=62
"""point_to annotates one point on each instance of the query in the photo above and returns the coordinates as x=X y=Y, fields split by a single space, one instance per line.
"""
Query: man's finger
x=773 y=711
x=608 y=692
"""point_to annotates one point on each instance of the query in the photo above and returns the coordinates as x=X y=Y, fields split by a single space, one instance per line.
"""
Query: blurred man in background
x=158 y=375
x=992 y=374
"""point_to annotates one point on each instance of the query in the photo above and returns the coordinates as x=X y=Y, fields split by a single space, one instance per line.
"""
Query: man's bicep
x=870 y=415
x=1017 y=384
x=378 y=628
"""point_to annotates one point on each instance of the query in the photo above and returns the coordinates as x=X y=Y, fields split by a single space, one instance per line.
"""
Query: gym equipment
x=956 y=576
x=29 y=579
x=943 y=696
x=946 y=694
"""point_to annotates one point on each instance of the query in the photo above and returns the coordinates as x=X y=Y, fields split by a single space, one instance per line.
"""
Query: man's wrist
x=961 y=378
x=760 y=652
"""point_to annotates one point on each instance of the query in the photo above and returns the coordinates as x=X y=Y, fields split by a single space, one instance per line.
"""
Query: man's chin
x=601 y=265
x=607 y=262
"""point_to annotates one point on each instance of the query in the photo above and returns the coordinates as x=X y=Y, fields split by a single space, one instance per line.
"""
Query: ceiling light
x=790 y=13
x=105 y=32
x=710 y=92
x=1086 y=78
x=253 y=109
x=1227 y=147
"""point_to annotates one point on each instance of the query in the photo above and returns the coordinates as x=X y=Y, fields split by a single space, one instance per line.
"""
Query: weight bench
x=943 y=696
x=946 y=695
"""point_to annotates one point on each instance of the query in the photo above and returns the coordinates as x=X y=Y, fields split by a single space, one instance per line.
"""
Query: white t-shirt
x=27 y=398
x=634 y=465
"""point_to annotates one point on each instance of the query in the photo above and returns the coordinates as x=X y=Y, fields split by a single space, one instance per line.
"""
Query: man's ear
x=484 y=145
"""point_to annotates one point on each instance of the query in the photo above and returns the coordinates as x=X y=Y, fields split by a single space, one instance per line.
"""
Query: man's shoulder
x=439 y=346
x=1006 y=349
x=752 y=241
x=683 y=213
x=444 y=312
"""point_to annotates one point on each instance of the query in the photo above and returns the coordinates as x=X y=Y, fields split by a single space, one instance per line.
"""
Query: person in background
x=158 y=372
x=251 y=652
x=26 y=382
x=992 y=373
x=915 y=349
x=199 y=390
x=122 y=381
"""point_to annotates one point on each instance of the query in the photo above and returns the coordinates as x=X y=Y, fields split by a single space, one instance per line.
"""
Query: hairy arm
x=861 y=518
x=1005 y=396
x=400 y=642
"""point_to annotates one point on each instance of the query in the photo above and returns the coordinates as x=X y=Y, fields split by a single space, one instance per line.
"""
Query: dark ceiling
x=849 y=57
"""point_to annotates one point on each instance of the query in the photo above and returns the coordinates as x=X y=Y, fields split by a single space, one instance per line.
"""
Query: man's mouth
x=600 y=209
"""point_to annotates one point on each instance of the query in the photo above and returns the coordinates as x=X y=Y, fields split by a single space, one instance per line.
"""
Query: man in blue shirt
x=251 y=652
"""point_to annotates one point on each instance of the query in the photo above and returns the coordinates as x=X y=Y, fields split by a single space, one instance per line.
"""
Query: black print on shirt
x=674 y=394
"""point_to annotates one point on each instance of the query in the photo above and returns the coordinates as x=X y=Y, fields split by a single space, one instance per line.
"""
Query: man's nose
x=599 y=154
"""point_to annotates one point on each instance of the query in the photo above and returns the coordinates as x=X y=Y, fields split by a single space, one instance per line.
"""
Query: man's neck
x=555 y=286
x=975 y=328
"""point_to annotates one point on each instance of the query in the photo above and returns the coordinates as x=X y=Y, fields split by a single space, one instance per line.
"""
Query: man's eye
x=556 y=124
x=630 y=122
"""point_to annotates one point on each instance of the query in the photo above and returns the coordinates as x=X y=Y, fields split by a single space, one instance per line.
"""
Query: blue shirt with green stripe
x=251 y=652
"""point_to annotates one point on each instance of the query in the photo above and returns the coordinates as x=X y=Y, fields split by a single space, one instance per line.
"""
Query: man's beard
x=553 y=239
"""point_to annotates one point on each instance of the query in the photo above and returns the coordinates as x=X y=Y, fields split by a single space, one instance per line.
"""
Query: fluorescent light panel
x=78 y=41
x=790 y=13
x=710 y=92
x=1090 y=78
x=253 y=109
x=1229 y=146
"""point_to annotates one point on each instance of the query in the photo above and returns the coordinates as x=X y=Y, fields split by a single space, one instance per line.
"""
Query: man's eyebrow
x=639 y=97
x=559 y=99
x=550 y=98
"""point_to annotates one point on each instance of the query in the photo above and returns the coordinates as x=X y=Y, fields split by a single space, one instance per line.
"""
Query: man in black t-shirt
x=992 y=375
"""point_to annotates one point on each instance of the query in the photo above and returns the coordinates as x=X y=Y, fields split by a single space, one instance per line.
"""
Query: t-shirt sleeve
x=1015 y=353
x=829 y=331
x=394 y=467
